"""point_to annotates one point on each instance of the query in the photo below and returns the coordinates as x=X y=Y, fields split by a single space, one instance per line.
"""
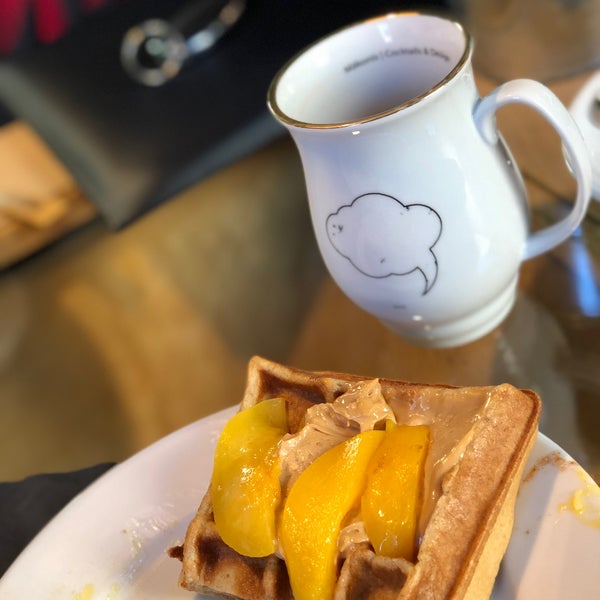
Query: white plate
x=109 y=542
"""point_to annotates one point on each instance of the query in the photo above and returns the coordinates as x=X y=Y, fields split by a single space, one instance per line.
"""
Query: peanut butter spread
x=366 y=406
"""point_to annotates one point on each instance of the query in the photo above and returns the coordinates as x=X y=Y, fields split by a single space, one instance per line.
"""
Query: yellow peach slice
x=245 y=483
x=317 y=503
x=393 y=497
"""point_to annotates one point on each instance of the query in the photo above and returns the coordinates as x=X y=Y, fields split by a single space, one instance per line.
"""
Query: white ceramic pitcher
x=418 y=208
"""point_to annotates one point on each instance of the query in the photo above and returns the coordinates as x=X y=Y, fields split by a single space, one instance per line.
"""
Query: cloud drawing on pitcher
x=382 y=237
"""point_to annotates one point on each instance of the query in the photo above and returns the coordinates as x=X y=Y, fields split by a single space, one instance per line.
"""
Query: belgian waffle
x=469 y=528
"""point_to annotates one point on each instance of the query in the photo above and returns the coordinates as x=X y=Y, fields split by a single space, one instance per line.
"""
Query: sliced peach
x=316 y=505
x=245 y=483
x=391 y=504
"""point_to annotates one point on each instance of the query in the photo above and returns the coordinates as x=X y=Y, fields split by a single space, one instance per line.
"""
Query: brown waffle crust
x=467 y=534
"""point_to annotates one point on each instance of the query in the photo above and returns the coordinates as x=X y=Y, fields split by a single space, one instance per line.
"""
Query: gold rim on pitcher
x=287 y=120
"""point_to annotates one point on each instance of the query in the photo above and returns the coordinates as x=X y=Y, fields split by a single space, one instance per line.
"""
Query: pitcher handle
x=539 y=97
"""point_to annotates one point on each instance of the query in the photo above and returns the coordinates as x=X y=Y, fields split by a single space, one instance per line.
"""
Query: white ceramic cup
x=419 y=211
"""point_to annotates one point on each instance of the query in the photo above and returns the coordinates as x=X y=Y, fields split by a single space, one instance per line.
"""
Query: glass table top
x=111 y=340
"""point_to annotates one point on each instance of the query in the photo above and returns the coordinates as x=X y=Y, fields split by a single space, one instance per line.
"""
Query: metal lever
x=154 y=51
